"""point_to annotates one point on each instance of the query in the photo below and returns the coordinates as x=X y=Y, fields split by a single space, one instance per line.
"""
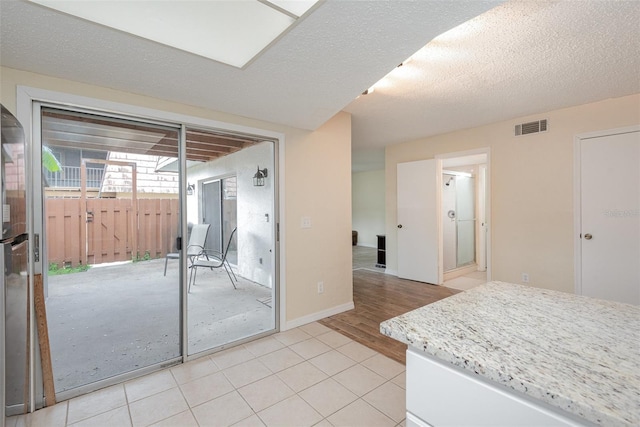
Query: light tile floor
x=308 y=376
x=468 y=281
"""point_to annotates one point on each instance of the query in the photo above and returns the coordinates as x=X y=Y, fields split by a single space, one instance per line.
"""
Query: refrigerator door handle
x=36 y=247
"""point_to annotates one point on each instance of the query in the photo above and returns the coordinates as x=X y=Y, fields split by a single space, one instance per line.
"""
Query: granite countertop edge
x=399 y=329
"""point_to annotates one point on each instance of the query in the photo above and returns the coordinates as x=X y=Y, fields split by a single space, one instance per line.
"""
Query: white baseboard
x=391 y=272
x=317 y=316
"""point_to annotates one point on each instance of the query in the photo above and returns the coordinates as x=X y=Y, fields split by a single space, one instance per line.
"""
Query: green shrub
x=138 y=258
x=54 y=270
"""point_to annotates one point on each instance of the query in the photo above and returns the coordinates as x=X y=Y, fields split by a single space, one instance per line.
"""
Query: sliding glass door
x=157 y=242
x=110 y=216
x=232 y=284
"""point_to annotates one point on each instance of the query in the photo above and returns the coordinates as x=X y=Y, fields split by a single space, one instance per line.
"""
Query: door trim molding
x=577 y=200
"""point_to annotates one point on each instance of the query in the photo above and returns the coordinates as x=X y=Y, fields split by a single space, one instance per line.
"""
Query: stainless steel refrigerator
x=14 y=332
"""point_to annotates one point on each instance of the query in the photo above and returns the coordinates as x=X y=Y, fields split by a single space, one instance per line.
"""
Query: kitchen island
x=501 y=354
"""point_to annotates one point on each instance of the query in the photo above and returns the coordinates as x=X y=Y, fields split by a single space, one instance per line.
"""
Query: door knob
x=399 y=225
x=588 y=236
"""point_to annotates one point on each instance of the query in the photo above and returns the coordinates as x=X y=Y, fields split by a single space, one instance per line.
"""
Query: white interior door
x=417 y=221
x=610 y=217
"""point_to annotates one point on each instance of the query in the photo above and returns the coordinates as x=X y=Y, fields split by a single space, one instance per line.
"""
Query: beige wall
x=531 y=187
x=318 y=180
x=317 y=184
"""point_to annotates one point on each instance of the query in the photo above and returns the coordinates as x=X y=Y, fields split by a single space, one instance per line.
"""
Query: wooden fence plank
x=118 y=218
x=110 y=235
x=72 y=233
x=92 y=238
x=55 y=244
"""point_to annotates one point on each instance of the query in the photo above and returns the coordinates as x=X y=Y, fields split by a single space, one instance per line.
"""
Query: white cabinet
x=440 y=394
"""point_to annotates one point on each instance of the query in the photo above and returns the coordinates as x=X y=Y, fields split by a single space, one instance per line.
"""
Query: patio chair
x=195 y=246
x=214 y=259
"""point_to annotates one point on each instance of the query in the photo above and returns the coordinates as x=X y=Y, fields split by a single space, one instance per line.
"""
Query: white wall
x=254 y=235
x=368 y=206
x=531 y=187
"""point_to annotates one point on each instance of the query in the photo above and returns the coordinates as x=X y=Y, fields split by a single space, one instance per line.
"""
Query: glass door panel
x=466 y=220
x=232 y=284
x=111 y=212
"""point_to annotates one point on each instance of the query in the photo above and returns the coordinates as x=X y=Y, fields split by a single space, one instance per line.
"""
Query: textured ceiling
x=519 y=58
x=302 y=80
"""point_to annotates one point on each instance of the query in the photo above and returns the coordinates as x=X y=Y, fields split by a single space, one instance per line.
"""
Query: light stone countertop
x=579 y=354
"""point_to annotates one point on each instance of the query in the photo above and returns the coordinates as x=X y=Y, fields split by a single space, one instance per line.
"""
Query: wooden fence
x=95 y=231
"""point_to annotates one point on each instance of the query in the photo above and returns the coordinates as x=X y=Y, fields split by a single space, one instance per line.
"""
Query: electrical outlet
x=305 y=222
x=525 y=277
x=320 y=287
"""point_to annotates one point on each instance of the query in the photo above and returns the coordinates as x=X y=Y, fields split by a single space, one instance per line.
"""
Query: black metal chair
x=213 y=259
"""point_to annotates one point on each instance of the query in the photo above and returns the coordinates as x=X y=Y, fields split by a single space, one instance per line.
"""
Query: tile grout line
x=184 y=397
x=126 y=399
x=66 y=415
x=388 y=378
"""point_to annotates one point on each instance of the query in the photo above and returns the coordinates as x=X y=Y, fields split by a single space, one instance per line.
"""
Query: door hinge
x=179 y=243
x=277 y=232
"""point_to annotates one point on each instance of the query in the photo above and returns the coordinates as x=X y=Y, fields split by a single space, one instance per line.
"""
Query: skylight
x=228 y=31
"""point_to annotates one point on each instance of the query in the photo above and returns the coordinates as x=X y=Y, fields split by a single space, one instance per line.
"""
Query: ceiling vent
x=531 y=127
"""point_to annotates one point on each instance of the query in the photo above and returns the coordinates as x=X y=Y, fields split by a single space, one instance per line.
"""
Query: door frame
x=577 y=199
x=27 y=100
x=487 y=205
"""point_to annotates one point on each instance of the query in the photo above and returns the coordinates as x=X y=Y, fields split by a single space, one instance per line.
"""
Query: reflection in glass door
x=110 y=217
x=230 y=215
x=232 y=285
x=220 y=211
x=212 y=213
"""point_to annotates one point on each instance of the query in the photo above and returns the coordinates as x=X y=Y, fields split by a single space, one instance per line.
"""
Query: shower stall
x=458 y=219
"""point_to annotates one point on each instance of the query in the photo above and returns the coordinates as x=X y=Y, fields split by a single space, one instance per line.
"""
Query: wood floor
x=378 y=297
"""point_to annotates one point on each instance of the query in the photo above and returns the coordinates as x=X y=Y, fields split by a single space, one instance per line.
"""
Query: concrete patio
x=117 y=318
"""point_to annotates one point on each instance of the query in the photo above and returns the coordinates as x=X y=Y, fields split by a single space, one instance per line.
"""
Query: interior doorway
x=459 y=219
x=423 y=211
x=464 y=219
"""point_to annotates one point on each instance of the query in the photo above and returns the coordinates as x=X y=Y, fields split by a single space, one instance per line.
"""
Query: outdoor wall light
x=258 y=178
x=190 y=189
